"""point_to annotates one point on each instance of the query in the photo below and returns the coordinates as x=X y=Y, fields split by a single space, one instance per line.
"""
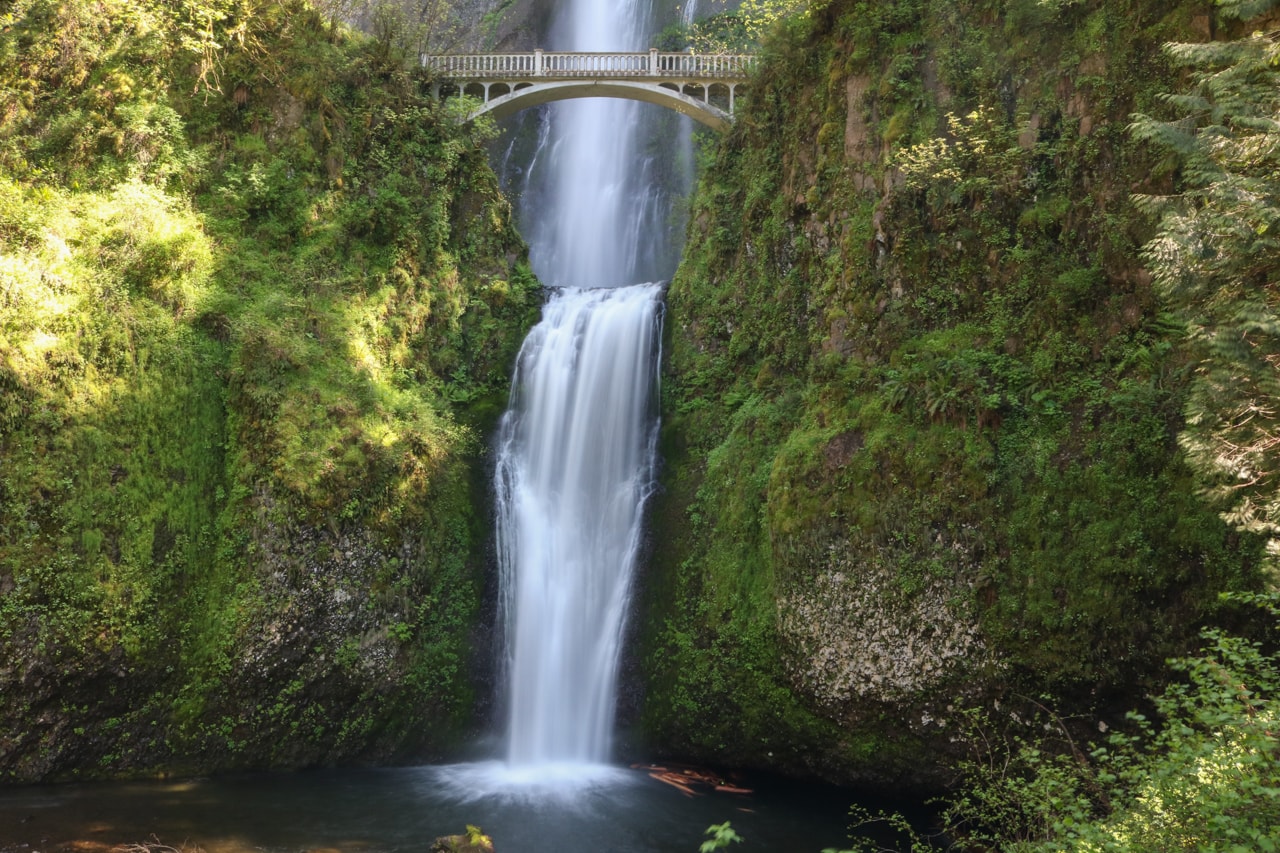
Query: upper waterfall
x=595 y=211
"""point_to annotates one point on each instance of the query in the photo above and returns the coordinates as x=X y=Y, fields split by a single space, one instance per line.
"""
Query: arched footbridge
x=704 y=87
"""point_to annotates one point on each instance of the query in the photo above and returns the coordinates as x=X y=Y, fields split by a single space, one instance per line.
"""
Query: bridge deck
x=651 y=66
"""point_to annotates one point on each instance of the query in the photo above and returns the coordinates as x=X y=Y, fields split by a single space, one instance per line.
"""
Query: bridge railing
x=599 y=65
x=706 y=65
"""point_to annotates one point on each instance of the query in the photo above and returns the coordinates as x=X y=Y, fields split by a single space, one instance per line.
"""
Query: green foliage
x=759 y=17
x=96 y=350
x=1214 y=260
x=905 y=837
x=745 y=29
x=257 y=301
x=1204 y=775
x=977 y=158
x=722 y=33
x=1244 y=10
x=722 y=835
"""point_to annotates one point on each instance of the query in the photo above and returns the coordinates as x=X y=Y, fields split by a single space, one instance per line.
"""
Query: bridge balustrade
x=606 y=65
x=679 y=81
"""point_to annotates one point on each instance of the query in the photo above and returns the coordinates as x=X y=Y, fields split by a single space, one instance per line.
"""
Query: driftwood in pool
x=691 y=781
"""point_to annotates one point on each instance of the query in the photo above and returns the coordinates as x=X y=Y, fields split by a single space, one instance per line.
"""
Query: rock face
x=522 y=25
x=852 y=635
x=468 y=26
x=920 y=408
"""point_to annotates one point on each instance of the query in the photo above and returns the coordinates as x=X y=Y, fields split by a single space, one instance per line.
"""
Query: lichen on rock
x=853 y=635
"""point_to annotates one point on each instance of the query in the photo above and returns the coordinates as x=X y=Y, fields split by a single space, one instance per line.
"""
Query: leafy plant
x=1203 y=775
x=722 y=835
x=906 y=838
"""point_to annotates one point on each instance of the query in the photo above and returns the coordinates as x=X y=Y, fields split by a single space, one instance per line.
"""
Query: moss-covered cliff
x=258 y=299
x=921 y=402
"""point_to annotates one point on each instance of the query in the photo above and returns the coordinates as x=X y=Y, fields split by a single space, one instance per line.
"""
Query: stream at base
x=594 y=809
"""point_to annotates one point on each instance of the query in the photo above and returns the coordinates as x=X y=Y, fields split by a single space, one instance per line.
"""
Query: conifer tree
x=1216 y=261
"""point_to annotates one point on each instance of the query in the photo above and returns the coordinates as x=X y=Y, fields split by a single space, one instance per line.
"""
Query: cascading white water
x=595 y=216
x=576 y=448
x=575 y=466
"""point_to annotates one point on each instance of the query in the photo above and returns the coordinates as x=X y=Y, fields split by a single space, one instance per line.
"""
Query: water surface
x=592 y=809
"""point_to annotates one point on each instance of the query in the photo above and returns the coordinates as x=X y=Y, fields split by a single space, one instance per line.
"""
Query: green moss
x=937 y=359
x=260 y=296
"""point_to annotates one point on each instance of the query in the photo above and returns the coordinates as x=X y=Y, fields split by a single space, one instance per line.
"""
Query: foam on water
x=563 y=783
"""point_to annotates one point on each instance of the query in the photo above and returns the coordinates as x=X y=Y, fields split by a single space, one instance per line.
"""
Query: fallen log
x=675 y=782
x=732 y=789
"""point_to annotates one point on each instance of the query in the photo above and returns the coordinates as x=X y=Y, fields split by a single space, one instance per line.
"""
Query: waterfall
x=575 y=465
x=593 y=213
x=576 y=447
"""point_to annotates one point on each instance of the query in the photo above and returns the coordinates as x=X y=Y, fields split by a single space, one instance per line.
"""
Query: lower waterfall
x=575 y=464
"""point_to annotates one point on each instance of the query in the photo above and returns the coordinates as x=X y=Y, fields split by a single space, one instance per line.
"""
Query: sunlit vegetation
x=1216 y=256
x=257 y=303
x=738 y=27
